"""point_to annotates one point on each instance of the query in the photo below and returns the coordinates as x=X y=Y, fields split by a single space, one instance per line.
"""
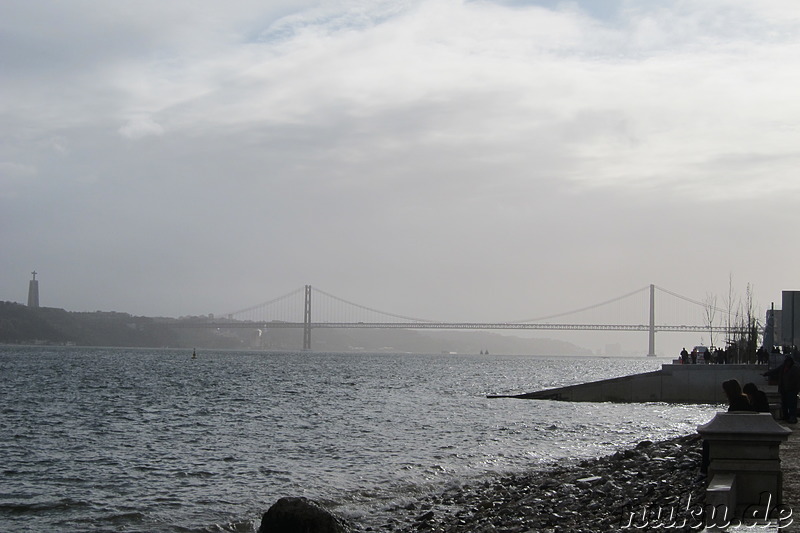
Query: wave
x=64 y=504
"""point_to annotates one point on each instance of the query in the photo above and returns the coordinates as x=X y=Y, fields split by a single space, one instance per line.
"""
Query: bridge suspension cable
x=265 y=304
x=587 y=308
x=292 y=299
x=281 y=312
x=690 y=300
x=370 y=309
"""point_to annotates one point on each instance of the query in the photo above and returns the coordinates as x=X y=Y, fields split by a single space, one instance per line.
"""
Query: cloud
x=522 y=149
x=16 y=170
x=12 y=175
x=659 y=95
x=139 y=127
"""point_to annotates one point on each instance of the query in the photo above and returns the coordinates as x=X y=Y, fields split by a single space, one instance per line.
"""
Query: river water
x=142 y=440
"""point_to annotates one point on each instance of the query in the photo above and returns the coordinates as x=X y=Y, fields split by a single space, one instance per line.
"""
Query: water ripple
x=150 y=440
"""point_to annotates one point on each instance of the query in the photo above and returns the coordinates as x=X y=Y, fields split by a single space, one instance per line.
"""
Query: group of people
x=707 y=356
x=762 y=355
x=750 y=398
x=747 y=398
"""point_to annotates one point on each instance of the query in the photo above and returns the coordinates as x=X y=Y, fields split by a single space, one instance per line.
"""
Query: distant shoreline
x=48 y=326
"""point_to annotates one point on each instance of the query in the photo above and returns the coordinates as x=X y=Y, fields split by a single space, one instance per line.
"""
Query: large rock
x=301 y=515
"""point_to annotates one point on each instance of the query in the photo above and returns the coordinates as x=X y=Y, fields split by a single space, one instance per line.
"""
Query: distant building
x=790 y=318
x=33 y=292
x=773 y=329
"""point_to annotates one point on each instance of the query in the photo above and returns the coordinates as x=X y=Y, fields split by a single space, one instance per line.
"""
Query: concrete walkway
x=790 y=466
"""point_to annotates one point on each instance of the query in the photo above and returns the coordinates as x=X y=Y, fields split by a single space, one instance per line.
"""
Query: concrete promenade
x=673 y=383
x=790 y=466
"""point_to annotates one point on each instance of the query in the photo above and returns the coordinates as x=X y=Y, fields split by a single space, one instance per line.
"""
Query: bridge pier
x=307 y=320
x=651 y=352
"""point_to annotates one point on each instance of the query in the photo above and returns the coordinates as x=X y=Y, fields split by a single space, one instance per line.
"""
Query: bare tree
x=750 y=332
x=743 y=326
x=730 y=304
x=741 y=323
x=710 y=310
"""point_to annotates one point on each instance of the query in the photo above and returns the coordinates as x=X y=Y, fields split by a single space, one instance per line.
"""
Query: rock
x=301 y=515
x=583 y=497
x=549 y=483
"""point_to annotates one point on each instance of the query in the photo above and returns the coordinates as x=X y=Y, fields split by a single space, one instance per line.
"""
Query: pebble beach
x=651 y=487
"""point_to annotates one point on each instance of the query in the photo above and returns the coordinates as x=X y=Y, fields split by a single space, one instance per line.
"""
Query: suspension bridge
x=633 y=311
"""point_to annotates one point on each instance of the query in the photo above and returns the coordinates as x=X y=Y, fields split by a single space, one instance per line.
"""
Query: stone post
x=746 y=445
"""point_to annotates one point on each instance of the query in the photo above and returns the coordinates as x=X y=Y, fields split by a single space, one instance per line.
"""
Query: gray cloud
x=464 y=160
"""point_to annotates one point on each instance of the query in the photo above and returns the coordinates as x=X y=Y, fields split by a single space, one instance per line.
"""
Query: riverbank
x=651 y=487
x=605 y=494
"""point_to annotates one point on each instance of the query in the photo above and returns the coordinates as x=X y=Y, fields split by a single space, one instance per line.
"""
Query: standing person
x=788 y=376
x=684 y=357
x=758 y=398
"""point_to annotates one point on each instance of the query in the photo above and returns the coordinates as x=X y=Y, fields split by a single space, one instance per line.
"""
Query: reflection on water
x=147 y=440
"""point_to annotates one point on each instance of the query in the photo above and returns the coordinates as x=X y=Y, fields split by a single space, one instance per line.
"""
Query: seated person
x=758 y=398
x=737 y=401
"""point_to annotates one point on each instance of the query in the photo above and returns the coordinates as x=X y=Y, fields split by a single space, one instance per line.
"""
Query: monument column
x=33 y=292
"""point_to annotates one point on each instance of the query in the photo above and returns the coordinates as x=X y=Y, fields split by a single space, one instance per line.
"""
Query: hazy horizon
x=453 y=159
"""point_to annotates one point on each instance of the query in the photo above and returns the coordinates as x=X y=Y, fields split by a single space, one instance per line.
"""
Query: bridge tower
x=652 y=351
x=307 y=320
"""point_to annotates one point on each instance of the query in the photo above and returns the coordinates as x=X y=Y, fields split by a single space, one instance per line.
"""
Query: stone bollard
x=743 y=453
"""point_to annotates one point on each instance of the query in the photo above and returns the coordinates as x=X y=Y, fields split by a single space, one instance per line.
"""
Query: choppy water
x=151 y=440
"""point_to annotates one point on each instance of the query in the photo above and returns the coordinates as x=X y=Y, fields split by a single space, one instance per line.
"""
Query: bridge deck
x=450 y=325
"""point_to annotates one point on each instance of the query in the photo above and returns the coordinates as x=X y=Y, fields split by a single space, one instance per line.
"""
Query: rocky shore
x=652 y=487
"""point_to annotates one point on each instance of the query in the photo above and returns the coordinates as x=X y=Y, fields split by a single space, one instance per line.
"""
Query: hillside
x=20 y=324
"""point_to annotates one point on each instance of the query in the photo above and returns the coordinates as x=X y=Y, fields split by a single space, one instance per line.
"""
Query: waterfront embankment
x=673 y=383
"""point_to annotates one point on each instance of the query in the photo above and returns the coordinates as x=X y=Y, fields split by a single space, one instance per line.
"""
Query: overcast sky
x=444 y=159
